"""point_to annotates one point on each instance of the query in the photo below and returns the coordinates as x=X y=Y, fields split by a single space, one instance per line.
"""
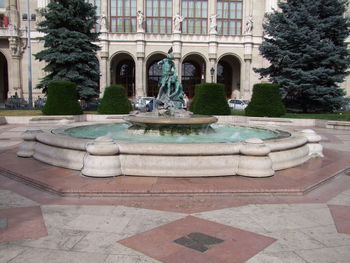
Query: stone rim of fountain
x=154 y=119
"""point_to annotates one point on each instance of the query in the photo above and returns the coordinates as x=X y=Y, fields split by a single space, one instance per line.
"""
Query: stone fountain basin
x=104 y=157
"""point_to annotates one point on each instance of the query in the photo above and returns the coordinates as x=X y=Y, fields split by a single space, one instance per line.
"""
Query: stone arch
x=193 y=72
x=153 y=73
x=228 y=72
x=4 y=79
x=122 y=65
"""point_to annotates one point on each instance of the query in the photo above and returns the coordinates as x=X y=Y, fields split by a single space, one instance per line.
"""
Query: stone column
x=177 y=51
x=213 y=49
x=246 y=88
x=16 y=48
x=104 y=20
x=104 y=72
x=140 y=76
x=248 y=31
x=13 y=13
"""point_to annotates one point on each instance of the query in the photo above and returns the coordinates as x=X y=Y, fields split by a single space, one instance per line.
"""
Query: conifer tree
x=305 y=45
x=69 y=52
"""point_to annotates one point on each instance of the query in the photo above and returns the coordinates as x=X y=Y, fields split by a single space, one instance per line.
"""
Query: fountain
x=170 y=142
x=168 y=116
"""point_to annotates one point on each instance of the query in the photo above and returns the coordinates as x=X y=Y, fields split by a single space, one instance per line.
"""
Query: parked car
x=237 y=104
x=346 y=106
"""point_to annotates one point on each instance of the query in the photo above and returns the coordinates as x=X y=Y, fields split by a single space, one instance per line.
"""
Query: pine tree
x=305 y=45
x=69 y=52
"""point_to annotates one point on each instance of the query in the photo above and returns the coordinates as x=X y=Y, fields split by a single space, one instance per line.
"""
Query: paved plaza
x=50 y=214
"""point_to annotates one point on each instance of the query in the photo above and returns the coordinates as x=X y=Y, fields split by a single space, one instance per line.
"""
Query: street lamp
x=212 y=71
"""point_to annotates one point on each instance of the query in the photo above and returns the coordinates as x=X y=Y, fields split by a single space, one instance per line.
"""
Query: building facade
x=212 y=41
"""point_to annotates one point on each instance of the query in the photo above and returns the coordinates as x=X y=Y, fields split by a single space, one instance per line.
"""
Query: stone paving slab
x=304 y=226
x=10 y=199
x=341 y=217
x=160 y=243
x=22 y=223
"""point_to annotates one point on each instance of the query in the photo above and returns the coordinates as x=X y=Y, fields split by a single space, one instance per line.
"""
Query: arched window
x=159 y=15
x=3 y=78
x=229 y=74
x=229 y=21
x=123 y=16
x=195 y=13
x=192 y=74
x=125 y=76
x=224 y=76
x=154 y=77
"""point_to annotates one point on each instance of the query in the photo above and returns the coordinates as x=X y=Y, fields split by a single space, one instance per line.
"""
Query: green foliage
x=69 y=53
x=266 y=101
x=210 y=99
x=193 y=101
x=114 y=101
x=305 y=45
x=62 y=99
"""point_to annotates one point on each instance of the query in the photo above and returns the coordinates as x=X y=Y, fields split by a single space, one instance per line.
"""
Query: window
x=96 y=3
x=123 y=16
x=229 y=21
x=2 y=3
x=159 y=15
x=195 y=13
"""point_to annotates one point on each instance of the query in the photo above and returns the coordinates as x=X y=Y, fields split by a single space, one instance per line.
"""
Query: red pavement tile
x=238 y=245
x=22 y=223
x=341 y=217
x=71 y=183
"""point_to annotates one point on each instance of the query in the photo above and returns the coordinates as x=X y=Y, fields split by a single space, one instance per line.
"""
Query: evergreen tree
x=305 y=45
x=69 y=52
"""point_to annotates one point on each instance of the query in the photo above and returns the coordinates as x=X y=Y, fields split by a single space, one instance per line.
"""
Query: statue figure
x=103 y=23
x=249 y=25
x=170 y=91
x=140 y=20
x=213 y=24
x=177 y=22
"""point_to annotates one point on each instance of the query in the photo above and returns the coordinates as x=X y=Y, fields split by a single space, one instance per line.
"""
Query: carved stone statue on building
x=103 y=23
x=213 y=24
x=177 y=22
x=140 y=21
x=249 y=25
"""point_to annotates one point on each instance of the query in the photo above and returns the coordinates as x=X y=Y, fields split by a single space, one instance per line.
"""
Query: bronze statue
x=170 y=91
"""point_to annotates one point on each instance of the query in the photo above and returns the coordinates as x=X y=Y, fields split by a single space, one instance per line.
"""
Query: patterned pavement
x=38 y=226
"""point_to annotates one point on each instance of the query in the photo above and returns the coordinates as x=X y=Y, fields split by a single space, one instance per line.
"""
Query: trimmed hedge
x=193 y=101
x=266 y=101
x=210 y=99
x=114 y=101
x=62 y=99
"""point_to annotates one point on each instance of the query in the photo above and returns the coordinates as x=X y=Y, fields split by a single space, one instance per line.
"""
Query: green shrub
x=62 y=99
x=266 y=101
x=210 y=99
x=193 y=101
x=114 y=101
